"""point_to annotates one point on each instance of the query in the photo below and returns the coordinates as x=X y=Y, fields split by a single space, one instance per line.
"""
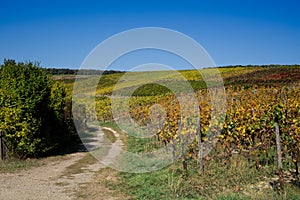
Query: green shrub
x=32 y=108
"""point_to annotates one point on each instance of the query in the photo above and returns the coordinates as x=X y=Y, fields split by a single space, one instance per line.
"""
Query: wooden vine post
x=200 y=147
x=172 y=143
x=184 y=164
x=278 y=145
x=2 y=145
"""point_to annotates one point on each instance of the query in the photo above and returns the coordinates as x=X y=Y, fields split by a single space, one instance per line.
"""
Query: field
x=219 y=152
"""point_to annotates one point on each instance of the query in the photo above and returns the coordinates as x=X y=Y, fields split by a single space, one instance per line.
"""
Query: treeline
x=67 y=71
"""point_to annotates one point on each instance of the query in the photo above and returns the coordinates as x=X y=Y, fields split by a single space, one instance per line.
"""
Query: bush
x=32 y=108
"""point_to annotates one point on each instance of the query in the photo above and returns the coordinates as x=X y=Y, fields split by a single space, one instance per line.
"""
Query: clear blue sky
x=62 y=33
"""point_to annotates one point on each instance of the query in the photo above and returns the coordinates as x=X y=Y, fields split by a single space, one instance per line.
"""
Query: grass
x=102 y=187
x=13 y=165
x=236 y=180
x=217 y=182
x=78 y=167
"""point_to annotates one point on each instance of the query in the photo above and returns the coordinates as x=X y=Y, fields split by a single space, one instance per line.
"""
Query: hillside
x=236 y=129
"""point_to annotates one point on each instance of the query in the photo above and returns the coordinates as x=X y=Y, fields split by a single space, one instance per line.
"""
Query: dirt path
x=51 y=181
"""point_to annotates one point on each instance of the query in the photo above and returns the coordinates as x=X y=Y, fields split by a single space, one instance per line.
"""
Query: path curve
x=48 y=181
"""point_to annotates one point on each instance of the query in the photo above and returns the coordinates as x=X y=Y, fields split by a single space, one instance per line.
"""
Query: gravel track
x=48 y=181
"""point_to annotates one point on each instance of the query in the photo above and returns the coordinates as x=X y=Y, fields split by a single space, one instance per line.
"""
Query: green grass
x=217 y=182
x=236 y=180
x=77 y=167
x=13 y=165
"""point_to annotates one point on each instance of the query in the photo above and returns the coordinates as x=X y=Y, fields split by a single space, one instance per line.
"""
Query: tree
x=31 y=110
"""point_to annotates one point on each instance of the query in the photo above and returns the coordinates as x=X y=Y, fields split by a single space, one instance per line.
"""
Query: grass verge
x=238 y=179
x=218 y=181
x=13 y=165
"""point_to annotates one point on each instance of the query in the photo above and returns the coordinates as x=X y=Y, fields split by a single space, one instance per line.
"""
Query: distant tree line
x=67 y=71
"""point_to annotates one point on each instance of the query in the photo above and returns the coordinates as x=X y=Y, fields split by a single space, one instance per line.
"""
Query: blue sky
x=62 y=33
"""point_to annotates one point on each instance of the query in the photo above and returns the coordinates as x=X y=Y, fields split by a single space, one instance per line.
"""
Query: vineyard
x=198 y=131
